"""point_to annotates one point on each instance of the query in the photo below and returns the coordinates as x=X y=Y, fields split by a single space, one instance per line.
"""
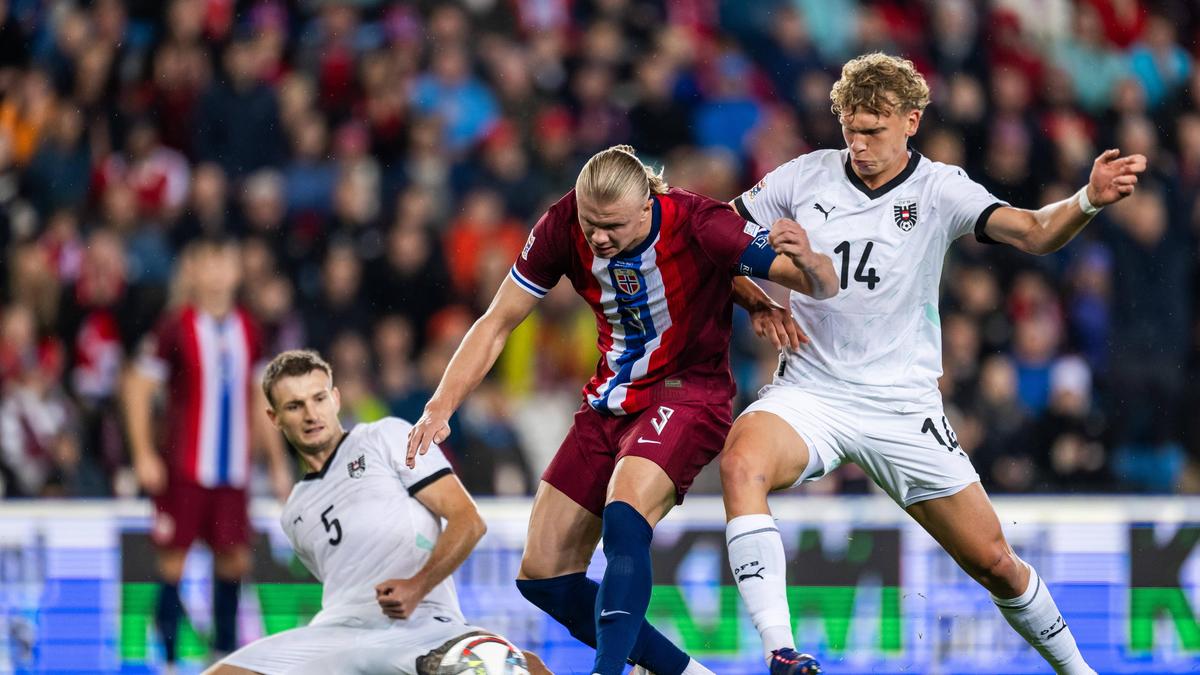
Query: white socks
x=694 y=668
x=758 y=563
x=1036 y=618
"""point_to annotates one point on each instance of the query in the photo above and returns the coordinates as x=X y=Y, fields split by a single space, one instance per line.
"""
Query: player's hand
x=774 y=322
x=789 y=238
x=151 y=474
x=535 y=664
x=433 y=427
x=398 y=598
x=1113 y=177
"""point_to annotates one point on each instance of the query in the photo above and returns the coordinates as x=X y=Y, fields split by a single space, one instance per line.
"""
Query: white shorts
x=913 y=456
x=339 y=648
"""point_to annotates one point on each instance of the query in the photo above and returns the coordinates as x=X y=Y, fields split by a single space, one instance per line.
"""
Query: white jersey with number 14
x=880 y=337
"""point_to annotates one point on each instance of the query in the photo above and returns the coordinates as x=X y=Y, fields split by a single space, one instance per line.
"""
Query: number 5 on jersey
x=332 y=525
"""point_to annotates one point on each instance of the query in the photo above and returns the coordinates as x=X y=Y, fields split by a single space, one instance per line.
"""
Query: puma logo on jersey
x=825 y=213
x=357 y=467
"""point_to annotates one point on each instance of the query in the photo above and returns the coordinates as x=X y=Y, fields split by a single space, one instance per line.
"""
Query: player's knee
x=232 y=565
x=170 y=565
x=534 y=567
x=997 y=569
x=743 y=470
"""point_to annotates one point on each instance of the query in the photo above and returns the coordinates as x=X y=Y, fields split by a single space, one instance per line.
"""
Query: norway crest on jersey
x=905 y=212
x=357 y=467
x=627 y=281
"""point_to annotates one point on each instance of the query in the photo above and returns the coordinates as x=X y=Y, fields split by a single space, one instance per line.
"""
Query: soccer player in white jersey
x=369 y=527
x=865 y=389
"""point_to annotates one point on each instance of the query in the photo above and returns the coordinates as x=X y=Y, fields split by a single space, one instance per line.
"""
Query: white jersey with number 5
x=357 y=522
x=880 y=337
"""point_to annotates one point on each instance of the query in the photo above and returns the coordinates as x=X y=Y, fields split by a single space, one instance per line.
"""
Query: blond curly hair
x=879 y=84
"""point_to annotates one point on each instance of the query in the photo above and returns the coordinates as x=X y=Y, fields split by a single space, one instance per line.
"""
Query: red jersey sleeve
x=721 y=233
x=547 y=252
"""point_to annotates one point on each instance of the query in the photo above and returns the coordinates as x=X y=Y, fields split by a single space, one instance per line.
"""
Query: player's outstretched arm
x=1049 y=228
x=446 y=498
x=472 y=360
x=798 y=266
x=770 y=320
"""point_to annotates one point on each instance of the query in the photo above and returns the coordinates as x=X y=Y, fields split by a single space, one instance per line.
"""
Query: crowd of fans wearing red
x=382 y=163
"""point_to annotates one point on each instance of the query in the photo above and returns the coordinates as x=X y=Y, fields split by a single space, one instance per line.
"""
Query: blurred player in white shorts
x=370 y=529
x=865 y=389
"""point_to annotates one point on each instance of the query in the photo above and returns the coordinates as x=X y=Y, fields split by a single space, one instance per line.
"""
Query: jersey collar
x=914 y=159
x=317 y=475
x=655 y=224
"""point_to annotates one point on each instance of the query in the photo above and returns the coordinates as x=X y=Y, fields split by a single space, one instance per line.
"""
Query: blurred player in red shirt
x=658 y=267
x=206 y=352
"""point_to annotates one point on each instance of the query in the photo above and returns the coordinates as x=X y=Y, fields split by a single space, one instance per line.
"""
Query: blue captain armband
x=757 y=258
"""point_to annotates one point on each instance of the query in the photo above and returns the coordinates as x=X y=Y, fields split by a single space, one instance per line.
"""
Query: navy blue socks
x=625 y=590
x=571 y=599
x=166 y=616
x=225 y=606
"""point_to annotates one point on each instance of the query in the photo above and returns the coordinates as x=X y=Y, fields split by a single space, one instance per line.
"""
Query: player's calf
x=997 y=568
x=1035 y=616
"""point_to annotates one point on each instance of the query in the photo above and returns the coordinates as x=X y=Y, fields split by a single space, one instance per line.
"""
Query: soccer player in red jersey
x=658 y=267
x=206 y=353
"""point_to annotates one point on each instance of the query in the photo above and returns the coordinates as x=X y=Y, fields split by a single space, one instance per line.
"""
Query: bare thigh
x=643 y=485
x=762 y=453
x=562 y=536
x=965 y=524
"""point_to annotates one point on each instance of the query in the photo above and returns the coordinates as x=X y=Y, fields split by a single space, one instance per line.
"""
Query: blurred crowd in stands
x=381 y=164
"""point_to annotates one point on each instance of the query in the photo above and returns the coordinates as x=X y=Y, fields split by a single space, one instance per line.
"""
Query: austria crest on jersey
x=357 y=467
x=627 y=280
x=905 y=211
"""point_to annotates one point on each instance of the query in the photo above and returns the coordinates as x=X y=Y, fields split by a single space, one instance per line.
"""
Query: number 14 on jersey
x=862 y=273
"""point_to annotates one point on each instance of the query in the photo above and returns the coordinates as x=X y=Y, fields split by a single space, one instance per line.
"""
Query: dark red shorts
x=680 y=436
x=186 y=511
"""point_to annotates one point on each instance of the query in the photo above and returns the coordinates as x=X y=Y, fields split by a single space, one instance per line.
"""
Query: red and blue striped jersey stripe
x=663 y=309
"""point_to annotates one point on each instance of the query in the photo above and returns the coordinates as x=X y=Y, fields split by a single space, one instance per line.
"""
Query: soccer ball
x=483 y=655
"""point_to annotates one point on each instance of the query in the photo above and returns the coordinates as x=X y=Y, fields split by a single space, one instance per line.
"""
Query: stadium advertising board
x=870 y=592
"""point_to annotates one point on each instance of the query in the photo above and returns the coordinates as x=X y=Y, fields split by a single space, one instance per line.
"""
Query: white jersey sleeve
x=771 y=198
x=393 y=435
x=964 y=204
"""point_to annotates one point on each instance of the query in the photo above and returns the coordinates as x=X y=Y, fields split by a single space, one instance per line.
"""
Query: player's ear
x=337 y=399
x=272 y=416
x=911 y=122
